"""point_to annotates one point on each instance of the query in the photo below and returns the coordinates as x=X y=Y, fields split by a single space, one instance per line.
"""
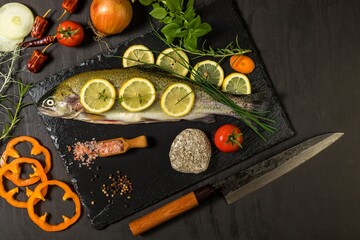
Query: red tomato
x=228 y=138
x=70 y=34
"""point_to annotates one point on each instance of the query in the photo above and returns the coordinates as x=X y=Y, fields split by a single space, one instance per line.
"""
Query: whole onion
x=110 y=17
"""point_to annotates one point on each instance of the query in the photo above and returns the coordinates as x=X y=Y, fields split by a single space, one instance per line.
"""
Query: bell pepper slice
x=13 y=169
x=37 y=149
x=41 y=220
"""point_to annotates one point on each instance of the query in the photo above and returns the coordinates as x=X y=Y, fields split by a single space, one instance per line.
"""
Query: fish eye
x=49 y=102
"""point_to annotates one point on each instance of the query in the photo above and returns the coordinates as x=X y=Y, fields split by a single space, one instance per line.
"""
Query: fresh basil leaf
x=202 y=30
x=174 y=5
x=178 y=20
x=167 y=20
x=189 y=14
x=190 y=42
x=146 y=2
x=181 y=33
x=169 y=39
x=170 y=29
x=190 y=5
x=195 y=23
x=158 y=13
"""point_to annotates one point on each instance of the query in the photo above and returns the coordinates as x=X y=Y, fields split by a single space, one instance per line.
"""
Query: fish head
x=60 y=102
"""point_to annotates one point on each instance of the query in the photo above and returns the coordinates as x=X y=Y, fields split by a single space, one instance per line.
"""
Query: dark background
x=311 y=52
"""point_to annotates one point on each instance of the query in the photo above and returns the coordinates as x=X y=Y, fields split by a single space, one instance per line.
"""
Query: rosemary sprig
x=10 y=104
x=12 y=112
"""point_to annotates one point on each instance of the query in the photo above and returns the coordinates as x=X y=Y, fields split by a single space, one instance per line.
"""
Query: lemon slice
x=209 y=70
x=137 y=94
x=236 y=83
x=175 y=61
x=97 y=95
x=136 y=55
x=177 y=100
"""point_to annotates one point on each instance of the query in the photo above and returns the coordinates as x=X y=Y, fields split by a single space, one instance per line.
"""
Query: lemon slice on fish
x=137 y=94
x=177 y=100
x=97 y=95
x=136 y=55
x=236 y=83
x=175 y=61
x=210 y=70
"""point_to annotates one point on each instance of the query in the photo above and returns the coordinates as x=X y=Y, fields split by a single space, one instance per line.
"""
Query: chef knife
x=240 y=184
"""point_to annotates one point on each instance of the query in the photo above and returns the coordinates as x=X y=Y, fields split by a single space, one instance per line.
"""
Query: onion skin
x=110 y=17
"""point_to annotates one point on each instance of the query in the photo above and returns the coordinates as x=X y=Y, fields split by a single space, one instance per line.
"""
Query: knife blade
x=239 y=184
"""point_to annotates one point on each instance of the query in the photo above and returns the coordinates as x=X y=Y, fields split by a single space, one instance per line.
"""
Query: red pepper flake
x=108 y=148
x=85 y=152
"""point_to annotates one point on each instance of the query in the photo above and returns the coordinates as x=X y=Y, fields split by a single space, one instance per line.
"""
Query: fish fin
x=206 y=119
x=96 y=118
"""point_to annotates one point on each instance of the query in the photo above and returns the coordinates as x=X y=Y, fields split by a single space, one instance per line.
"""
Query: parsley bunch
x=180 y=22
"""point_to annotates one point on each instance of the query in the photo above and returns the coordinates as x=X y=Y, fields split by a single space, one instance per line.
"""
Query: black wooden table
x=311 y=51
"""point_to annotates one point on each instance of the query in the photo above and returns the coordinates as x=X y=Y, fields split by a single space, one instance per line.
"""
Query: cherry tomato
x=228 y=138
x=70 y=34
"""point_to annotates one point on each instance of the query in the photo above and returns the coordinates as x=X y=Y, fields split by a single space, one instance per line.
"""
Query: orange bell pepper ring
x=14 y=169
x=41 y=220
x=37 y=149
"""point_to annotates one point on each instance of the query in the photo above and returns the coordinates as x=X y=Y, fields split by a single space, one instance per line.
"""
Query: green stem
x=14 y=118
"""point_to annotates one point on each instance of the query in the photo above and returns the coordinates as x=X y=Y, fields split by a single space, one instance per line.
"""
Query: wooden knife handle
x=170 y=210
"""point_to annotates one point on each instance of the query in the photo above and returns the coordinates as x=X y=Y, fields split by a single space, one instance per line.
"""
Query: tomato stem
x=233 y=138
x=67 y=33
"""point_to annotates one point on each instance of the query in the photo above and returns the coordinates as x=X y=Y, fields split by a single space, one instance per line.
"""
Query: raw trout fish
x=64 y=101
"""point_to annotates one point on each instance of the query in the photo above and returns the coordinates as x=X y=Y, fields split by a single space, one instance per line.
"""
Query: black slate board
x=149 y=169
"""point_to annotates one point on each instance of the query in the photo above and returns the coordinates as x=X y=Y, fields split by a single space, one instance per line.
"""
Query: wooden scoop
x=120 y=145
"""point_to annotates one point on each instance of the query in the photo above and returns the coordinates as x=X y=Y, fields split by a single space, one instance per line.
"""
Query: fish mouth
x=51 y=113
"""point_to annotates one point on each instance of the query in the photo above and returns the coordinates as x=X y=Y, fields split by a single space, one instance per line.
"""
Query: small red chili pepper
x=39 y=42
x=37 y=60
x=68 y=6
x=40 y=25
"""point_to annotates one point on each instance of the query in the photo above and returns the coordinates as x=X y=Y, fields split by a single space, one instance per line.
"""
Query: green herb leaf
x=203 y=29
x=181 y=33
x=190 y=42
x=189 y=14
x=194 y=23
x=170 y=29
x=169 y=39
x=158 y=13
x=178 y=20
x=174 y=5
x=167 y=20
x=190 y=4
x=146 y=2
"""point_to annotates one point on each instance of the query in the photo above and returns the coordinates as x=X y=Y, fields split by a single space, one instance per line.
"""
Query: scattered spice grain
x=119 y=185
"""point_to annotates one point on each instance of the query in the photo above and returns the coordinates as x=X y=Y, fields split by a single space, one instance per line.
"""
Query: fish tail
x=258 y=103
x=257 y=106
